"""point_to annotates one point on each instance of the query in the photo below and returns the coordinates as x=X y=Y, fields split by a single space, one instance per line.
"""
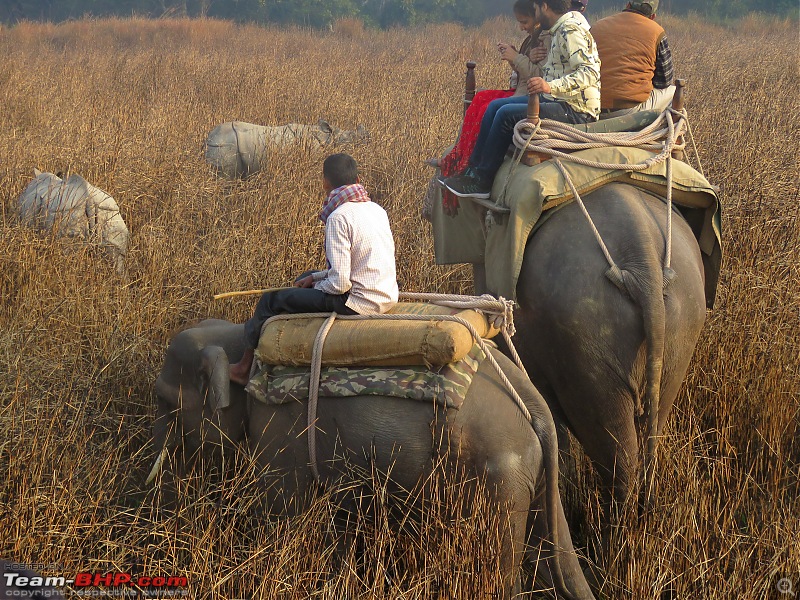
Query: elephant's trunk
x=162 y=428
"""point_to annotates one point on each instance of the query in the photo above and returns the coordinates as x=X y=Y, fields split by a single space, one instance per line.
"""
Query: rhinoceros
x=73 y=207
x=238 y=149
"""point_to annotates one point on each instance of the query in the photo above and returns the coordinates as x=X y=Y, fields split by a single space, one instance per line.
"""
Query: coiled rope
x=499 y=310
x=662 y=136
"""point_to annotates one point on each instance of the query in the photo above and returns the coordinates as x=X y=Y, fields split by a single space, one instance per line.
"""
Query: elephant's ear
x=215 y=371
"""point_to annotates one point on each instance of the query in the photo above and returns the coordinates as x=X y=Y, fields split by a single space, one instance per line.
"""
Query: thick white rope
x=551 y=137
x=503 y=319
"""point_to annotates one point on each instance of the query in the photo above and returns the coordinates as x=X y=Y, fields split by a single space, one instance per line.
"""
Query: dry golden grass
x=128 y=103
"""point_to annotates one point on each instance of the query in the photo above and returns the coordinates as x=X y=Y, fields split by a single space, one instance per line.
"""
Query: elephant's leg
x=601 y=414
x=539 y=548
x=512 y=492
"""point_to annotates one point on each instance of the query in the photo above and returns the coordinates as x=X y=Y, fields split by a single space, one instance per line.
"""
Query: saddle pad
x=527 y=190
x=446 y=385
x=375 y=342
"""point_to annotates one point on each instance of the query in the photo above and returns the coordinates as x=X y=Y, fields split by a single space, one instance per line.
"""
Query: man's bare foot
x=240 y=372
x=432 y=162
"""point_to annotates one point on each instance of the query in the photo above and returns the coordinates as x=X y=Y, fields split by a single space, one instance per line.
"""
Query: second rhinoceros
x=238 y=149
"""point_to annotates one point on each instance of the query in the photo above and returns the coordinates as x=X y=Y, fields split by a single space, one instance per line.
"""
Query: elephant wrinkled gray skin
x=488 y=437
x=601 y=356
x=197 y=403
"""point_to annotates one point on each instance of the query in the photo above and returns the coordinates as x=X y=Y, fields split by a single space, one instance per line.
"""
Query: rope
x=662 y=136
x=694 y=146
x=316 y=368
x=501 y=309
x=550 y=137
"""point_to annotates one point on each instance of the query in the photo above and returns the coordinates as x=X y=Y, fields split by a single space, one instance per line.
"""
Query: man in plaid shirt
x=361 y=276
x=636 y=70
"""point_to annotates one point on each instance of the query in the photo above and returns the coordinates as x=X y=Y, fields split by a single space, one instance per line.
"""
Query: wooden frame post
x=469 y=85
x=529 y=157
x=677 y=104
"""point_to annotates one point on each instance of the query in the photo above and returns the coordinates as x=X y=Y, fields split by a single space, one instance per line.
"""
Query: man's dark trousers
x=291 y=301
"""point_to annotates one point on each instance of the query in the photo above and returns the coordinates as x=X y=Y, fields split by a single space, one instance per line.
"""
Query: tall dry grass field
x=128 y=103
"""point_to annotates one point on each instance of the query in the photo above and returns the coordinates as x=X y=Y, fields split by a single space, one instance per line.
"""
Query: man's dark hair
x=557 y=6
x=340 y=169
x=524 y=7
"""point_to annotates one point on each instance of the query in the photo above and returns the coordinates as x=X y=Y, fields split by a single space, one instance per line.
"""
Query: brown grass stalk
x=127 y=104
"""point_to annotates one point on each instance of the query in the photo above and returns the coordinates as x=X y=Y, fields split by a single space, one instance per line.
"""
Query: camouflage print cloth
x=573 y=65
x=446 y=385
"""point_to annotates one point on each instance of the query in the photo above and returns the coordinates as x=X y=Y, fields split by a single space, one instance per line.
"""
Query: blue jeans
x=497 y=129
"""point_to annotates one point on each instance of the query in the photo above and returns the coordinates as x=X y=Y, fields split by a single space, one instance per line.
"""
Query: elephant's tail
x=646 y=288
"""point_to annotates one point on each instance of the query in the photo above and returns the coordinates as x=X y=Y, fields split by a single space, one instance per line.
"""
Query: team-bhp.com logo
x=88 y=584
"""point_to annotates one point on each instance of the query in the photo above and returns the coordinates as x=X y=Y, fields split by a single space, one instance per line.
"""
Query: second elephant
x=487 y=438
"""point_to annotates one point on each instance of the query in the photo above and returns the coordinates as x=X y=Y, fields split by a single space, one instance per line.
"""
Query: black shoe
x=468 y=185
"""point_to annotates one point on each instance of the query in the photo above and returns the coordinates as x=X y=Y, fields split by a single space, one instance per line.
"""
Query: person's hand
x=537 y=85
x=538 y=54
x=507 y=51
x=305 y=282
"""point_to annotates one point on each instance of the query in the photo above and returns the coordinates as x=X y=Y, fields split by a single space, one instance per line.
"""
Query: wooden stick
x=677 y=104
x=529 y=157
x=469 y=85
x=247 y=292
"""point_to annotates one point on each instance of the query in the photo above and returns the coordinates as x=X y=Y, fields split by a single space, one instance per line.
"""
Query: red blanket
x=457 y=160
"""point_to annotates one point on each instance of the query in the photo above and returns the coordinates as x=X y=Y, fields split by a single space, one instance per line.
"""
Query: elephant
x=600 y=355
x=73 y=207
x=487 y=437
x=198 y=407
x=238 y=149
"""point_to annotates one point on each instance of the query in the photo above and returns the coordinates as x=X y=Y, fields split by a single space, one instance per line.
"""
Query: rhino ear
x=325 y=126
x=215 y=371
x=36 y=172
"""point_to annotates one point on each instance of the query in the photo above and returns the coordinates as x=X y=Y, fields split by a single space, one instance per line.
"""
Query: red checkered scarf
x=347 y=193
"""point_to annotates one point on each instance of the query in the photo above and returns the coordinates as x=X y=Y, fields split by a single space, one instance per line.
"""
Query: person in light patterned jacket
x=569 y=92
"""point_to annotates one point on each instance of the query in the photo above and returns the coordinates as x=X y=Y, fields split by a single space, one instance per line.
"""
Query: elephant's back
x=406 y=437
x=582 y=326
x=565 y=259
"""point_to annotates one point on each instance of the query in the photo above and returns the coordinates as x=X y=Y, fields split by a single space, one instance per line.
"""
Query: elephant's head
x=198 y=405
